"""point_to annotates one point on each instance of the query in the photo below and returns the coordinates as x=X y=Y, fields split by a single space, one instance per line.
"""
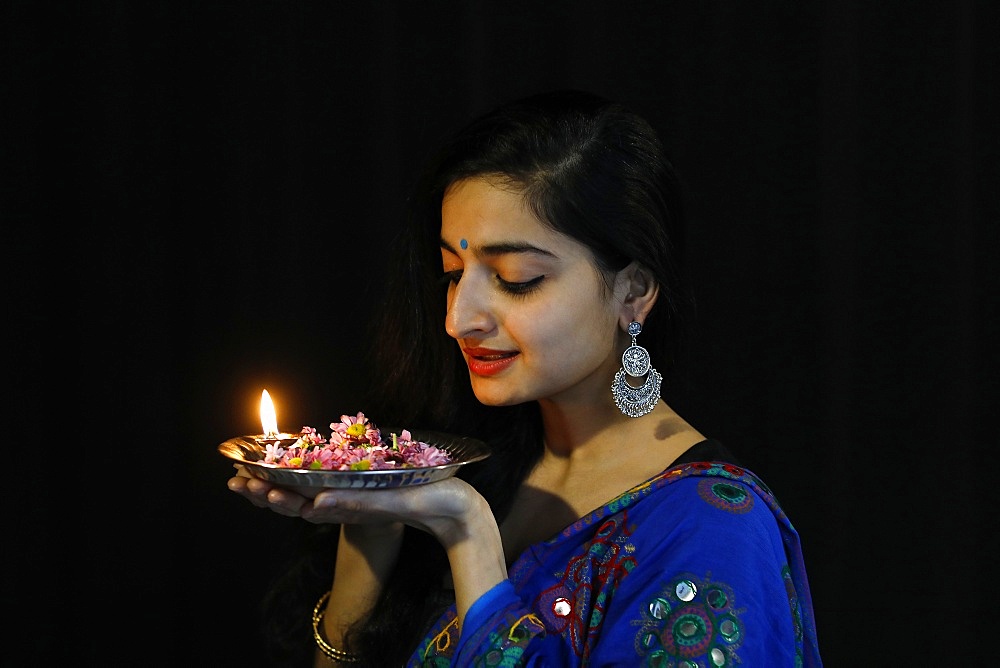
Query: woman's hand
x=264 y=494
x=451 y=510
x=445 y=508
x=441 y=508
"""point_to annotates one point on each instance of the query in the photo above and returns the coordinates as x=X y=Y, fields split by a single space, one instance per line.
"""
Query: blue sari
x=698 y=566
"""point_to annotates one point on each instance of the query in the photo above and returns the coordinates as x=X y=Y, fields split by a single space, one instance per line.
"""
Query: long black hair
x=590 y=169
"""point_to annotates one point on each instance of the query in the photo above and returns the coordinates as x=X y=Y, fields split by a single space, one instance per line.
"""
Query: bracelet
x=329 y=650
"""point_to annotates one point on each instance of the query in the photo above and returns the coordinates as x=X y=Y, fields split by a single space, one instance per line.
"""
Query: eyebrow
x=505 y=248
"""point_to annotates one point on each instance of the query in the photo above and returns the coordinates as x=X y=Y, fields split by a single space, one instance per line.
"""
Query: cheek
x=569 y=333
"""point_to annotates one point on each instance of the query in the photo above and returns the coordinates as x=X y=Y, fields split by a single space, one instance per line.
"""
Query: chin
x=499 y=391
x=494 y=399
x=496 y=402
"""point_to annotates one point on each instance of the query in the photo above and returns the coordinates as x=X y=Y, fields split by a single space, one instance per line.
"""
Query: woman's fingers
x=285 y=502
x=432 y=507
x=266 y=495
x=248 y=489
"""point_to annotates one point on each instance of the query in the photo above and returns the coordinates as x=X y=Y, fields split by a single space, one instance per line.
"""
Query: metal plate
x=247 y=451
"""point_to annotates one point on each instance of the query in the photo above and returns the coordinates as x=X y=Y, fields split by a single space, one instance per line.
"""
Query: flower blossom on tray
x=355 y=444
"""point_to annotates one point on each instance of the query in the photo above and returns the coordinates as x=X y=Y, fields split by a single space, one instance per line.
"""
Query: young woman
x=538 y=290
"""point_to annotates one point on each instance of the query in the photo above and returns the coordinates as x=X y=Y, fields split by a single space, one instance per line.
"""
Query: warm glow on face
x=268 y=419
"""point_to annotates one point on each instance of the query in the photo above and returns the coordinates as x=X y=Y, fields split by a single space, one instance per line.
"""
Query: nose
x=469 y=310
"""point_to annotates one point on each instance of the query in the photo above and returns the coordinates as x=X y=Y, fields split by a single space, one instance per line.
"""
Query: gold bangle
x=329 y=650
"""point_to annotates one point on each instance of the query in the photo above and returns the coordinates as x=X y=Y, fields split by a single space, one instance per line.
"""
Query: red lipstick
x=488 y=362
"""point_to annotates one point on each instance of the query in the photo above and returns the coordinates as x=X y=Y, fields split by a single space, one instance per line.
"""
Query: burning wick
x=268 y=419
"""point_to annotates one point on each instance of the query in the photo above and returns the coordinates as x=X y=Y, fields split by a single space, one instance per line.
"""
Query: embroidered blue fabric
x=698 y=566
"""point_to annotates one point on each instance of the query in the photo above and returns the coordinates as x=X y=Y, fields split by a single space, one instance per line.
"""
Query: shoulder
x=713 y=548
x=702 y=497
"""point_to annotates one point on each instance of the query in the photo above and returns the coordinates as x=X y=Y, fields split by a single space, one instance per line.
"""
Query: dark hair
x=590 y=169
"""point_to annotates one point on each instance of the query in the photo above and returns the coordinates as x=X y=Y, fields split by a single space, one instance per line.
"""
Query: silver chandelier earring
x=636 y=401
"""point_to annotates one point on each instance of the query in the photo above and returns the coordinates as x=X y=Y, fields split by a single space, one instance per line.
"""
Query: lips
x=488 y=362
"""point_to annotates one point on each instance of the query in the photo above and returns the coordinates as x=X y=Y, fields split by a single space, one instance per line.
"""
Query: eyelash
x=514 y=289
x=520 y=289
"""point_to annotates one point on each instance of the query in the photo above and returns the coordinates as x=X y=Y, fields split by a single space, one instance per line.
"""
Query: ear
x=639 y=292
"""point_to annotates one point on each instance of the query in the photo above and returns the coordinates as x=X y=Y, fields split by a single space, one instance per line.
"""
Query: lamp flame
x=268 y=419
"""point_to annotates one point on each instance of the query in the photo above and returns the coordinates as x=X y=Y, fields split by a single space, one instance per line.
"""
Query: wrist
x=476 y=525
x=361 y=534
x=476 y=556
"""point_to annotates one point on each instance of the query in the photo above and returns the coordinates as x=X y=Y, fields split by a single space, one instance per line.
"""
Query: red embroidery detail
x=574 y=607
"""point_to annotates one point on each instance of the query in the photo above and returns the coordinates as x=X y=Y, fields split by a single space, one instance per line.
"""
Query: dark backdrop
x=200 y=199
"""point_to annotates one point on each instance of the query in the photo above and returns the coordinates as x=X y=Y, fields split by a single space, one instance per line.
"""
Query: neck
x=590 y=433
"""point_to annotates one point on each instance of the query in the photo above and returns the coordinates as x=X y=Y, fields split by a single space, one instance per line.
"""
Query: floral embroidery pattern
x=508 y=646
x=587 y=584
x=725 y=496
x=692 y=621
x=439 y=648
x=688 y=621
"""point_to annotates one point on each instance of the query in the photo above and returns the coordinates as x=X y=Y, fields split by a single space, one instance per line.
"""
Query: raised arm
x=450 y=510
x=371 y=534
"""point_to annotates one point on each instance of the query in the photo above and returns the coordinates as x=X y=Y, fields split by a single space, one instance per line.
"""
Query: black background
x=198 y=206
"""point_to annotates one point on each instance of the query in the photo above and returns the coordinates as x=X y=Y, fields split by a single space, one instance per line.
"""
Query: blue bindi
x=464 y=244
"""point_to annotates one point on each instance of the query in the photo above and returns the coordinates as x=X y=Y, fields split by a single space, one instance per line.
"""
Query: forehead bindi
x=500 y=248
x=490 y=221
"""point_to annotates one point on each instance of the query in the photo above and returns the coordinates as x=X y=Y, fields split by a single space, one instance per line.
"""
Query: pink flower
x=355 y=444
x=311 y=436
x=273 y=453
x=357 y=427
x=346 y=421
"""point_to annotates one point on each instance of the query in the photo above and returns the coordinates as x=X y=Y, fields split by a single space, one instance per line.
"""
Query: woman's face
x=532 y=314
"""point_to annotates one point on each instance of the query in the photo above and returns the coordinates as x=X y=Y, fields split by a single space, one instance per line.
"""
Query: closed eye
x=510 y=287
x=522 y=288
